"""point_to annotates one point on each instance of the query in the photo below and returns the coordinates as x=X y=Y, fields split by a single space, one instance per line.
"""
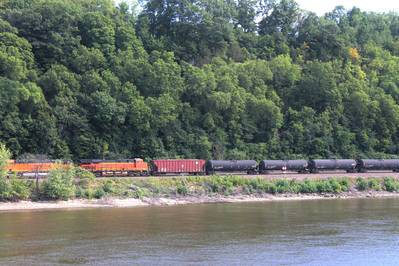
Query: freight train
x=137 y=167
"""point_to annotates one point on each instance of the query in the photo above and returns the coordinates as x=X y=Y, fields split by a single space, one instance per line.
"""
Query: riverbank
x=64 y=191
x=162 y=201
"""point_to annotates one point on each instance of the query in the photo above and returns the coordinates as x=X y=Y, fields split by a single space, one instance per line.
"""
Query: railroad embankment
x=61 y=191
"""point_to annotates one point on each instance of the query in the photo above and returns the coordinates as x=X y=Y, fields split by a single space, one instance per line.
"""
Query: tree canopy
x=197 y=78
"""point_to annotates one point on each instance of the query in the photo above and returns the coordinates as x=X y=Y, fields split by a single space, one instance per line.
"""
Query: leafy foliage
x=208 y=79
x=5 y=155
x=11 y=189
x=60 y=184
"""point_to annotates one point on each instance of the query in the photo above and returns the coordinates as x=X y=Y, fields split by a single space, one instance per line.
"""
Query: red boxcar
x=187 y=166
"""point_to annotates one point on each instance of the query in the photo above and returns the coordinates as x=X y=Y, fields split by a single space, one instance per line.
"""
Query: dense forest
x=197 y=78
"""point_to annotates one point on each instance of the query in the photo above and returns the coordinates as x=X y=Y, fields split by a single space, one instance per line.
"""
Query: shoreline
x=113 y=202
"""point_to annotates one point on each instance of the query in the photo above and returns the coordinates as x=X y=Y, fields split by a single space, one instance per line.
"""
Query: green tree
x=60 y=184
x=98 y=31
x=208 y=79
x=281 y=19
x=5 y=156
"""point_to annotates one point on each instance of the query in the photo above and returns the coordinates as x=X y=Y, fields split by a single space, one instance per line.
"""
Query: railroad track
x=324 y=175
x=287 y=175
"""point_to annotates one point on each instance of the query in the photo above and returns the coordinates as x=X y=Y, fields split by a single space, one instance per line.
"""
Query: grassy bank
x=63 y=185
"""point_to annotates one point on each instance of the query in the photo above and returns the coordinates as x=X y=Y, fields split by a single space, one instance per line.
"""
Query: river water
x=328 y=232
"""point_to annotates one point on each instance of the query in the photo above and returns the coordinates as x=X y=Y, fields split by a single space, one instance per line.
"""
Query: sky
x=322 y=6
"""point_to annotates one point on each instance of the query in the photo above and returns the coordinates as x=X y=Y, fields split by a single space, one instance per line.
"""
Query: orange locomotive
x=33 y=167
x=130 y=167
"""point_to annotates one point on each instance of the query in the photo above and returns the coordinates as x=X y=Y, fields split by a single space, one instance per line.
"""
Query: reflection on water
x=327 y=232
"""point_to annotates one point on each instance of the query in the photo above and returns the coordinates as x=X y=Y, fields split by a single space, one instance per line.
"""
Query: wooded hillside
x=197 y=78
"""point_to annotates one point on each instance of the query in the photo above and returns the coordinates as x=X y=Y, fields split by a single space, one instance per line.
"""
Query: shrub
x=324 y=186
x=238 y=181
x=140 y=193
x=220 y=185
x=335 y=185
x=14 y=189
x=5 y=189
x=109 y=186
x=60 y=184
x=390 y=184
x=258 y=185
x=86 y=193
x=267 y=187
x=5 y=186
x=345 y=184
x=374 y=184
x=5 y=156
x=294 y=187
x=255 y=184
x=309 y=186
x=272 y=188
x=80 y=192
x=361 y=184
x=89 y=193
x=20 y=189
x=85 y=177
x=182 y=189
x=282 y=186
x=99 y=193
